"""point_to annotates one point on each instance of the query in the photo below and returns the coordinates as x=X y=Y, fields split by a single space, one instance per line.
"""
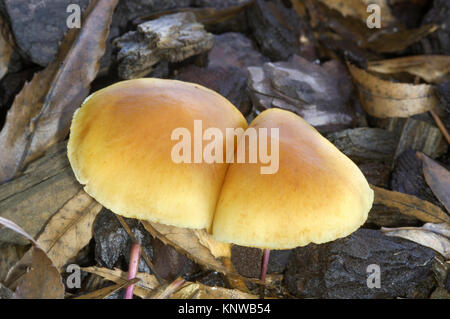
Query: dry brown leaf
x=358 y=9
x=41 y=113
x=67 y=232
x=9 y=256
x=6 y=48
x=431 y=236
x=191 y=290
x=144 y=287
x=42 y=281
x=216 y=248
x=431 y=68
x=438 y=178
x=70 y=229
x=31 y=199
x=385 y=99
x=201 y=248
x=186 y=241
x=410 y=205
x=398 y=39
x=107 y=291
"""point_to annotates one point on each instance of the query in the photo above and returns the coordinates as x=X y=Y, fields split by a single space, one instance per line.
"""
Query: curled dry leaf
x=431 y=68
x=41 y=113
x=144 y=287
x=432 y=236
x=409 y=205
x=384 y=99
x=358 y=9
x=42 y=281
x=438 y=178
x=216 y=248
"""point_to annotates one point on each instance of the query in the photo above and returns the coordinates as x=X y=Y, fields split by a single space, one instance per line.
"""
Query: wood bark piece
x=318 y=93
x=275 y=28
x=365 y=143
x=172 y=38
x=340 y=269
x=438 y=178
x=407 y=177
x=423 y=136
x=31 y=199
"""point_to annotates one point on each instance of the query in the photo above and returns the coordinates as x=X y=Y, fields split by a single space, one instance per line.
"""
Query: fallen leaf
x=192 y=244
x=186 y=241
x=67 y=232
x=144 y=287
x=70 y=229
x=148 y=287
x=358 y=9
x=409 y=205
x=216 y=248
x=191 y=290
x=107 y=291
x=41 y=113
x=31 y=199
x=438 y=178
x=432 y=236
x=441 y=229
x=9 y=256
x=381 y=98
x=398 y=39
x=431 y=68
x=42 y=281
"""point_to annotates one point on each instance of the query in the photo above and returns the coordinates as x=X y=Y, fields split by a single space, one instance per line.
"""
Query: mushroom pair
x=120 y=148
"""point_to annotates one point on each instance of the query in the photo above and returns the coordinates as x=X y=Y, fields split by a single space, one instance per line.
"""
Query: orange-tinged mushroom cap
x=120 y=149
x=317 y=195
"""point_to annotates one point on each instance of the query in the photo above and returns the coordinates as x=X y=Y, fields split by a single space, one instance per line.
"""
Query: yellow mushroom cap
x=120 y=148
x=317 y=195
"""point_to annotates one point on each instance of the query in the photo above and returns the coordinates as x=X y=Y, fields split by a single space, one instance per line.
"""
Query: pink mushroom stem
x=133 y=268
x=264 y=269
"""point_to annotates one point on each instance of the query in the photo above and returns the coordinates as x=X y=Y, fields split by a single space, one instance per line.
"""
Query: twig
x=440 y=125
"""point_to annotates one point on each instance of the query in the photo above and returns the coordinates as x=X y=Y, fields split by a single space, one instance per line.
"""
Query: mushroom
x=120 y=148
x=317 y=195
